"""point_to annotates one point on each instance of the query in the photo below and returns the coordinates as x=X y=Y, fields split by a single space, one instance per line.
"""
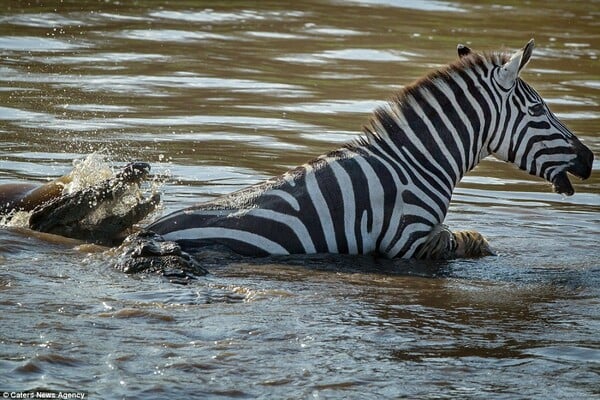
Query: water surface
x=221 y=95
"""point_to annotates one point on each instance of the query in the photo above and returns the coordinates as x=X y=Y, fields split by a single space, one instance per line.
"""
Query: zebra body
x=386 y=192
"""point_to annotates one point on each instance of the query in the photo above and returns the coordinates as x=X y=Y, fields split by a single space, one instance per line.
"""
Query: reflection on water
x=223 y=95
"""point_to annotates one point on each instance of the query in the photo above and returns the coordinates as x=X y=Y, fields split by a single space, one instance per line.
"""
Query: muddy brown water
x=224 y=94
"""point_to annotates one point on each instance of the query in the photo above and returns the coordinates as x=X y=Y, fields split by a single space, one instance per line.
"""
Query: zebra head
x=529 y=134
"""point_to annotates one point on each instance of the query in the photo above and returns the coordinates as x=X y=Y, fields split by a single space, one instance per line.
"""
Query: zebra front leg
x=443 y=244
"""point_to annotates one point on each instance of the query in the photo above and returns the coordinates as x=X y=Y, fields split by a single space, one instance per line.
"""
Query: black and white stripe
x=385 y=192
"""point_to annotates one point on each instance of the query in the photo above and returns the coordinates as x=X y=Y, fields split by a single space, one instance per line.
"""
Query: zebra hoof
x=443 y=244
x=438 y=246
x=471 y=244
x=148 y=253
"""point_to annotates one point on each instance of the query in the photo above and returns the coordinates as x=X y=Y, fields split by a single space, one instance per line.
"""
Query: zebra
x=388 y=192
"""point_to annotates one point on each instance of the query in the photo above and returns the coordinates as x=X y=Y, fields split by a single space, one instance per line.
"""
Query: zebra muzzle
x=581 y=167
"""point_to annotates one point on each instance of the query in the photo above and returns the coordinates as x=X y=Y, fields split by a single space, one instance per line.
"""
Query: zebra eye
x=536 y=110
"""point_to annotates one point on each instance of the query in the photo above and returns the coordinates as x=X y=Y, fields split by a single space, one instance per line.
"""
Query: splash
x=90 y=171
x=93 y=170
x=15 y=219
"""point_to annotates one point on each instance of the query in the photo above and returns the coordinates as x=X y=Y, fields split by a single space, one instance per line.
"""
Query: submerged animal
x=388 y=192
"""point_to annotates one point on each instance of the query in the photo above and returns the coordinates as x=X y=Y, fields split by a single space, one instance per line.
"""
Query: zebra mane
x=376 y=131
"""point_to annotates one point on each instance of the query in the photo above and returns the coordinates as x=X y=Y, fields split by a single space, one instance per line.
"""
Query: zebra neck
x=419 y=134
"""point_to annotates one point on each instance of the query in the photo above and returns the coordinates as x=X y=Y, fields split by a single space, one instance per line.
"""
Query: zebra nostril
x=582 y=166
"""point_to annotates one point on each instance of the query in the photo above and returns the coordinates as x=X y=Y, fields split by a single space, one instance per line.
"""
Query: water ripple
x=331 y=30
x=147 y=84
x=41 y=20
x=424 y=5
x=38 y=44
x=170 y=35
x=331 y=107
x=99 y=57
x=349 y=55
x=211 y=16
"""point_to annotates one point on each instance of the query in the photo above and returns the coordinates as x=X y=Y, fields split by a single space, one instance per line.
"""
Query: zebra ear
x=510 y=71
x=463 y=50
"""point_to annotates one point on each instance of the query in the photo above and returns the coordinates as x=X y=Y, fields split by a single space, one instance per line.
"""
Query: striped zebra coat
x=386 y=192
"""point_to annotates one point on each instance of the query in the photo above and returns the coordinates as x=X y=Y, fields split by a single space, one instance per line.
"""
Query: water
x=222 y=95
